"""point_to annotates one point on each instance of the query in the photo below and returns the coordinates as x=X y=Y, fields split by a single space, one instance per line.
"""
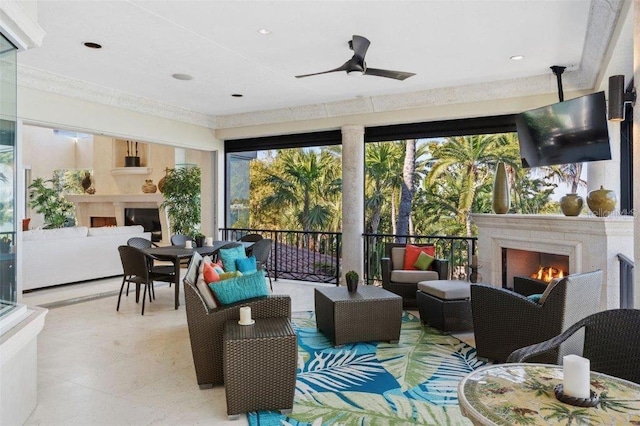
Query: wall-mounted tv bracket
x=558 y=70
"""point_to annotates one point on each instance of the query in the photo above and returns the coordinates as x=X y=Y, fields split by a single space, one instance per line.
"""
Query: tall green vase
x=501 y=201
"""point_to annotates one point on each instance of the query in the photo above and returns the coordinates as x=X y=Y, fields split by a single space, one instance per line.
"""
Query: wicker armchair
x=206 y=325
x=504 y=321
x=405 y=283
x=611 y=343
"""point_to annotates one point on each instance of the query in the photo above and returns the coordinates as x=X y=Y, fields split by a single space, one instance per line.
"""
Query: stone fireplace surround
x=590 y=243
x=113 y=206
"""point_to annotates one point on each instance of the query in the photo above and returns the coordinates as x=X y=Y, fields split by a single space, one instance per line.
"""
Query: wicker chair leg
x=120 y=295
x=144 y=297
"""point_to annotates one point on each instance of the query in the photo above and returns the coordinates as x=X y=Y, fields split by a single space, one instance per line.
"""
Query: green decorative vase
x=571 y=204
x=501 y=201
x=601 y=201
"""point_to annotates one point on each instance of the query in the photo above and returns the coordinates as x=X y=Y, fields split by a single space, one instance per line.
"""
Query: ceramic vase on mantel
x=149 y=187
x=571 y=204
x=601 y=201
x=501 y=201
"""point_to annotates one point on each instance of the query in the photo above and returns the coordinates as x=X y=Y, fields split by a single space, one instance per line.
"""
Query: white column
x=352 y=200
x=636 y=151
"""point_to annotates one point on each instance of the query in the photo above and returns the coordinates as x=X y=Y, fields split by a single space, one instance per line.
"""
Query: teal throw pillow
x=535 y=297
x=241 y=288
x=247 y=265
x=229 y=256
x=424 y=261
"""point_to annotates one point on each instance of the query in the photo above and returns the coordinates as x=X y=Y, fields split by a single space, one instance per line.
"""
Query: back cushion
x=229 y=256
x=411 y=254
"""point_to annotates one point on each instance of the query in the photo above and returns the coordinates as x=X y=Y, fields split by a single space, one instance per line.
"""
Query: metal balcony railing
x=316 y=256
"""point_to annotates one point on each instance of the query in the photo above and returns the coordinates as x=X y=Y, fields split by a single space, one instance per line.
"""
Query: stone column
x=352 y=200
x=636 y=151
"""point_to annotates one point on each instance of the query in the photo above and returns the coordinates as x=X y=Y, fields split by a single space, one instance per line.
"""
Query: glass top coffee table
x=366 y=315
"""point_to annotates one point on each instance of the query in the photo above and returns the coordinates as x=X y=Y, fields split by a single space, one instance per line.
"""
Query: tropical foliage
x=423 y=186
x=46 y=198
x=181 y=192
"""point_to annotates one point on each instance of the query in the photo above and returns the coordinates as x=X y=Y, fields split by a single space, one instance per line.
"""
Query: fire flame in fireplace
x=548 y=274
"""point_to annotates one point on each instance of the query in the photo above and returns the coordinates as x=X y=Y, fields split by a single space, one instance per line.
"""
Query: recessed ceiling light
x=92 y=45
x=182 y=76
x=264 y=31
x=237 y=95
x=517 y=57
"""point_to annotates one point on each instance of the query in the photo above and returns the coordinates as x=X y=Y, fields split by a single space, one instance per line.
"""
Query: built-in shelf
x=131 y=171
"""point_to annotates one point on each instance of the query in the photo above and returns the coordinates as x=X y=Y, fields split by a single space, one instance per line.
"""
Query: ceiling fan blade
x=343 y=67
x=398 y=75
x=359 y=45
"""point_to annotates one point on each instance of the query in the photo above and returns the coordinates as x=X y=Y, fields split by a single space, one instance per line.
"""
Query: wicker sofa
x=206 y=325
x=402 y=282
x=505 y=321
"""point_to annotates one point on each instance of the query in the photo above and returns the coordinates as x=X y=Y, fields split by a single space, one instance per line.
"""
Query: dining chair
x=137 y=270
x=251 y=238
x=180 y=240
x=261 y=250
x=611 y=343
x=142 y=243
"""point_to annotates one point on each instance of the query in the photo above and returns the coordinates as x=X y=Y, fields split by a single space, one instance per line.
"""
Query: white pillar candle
x=188 y=244
x=208 y=241
x=245 y=315
x=576 y=376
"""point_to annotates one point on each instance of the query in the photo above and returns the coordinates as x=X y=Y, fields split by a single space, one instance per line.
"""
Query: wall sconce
x=618 y=97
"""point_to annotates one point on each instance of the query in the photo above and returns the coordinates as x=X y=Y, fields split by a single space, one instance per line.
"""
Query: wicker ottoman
x=369 y=314
x=259 y=363
x=445 y=304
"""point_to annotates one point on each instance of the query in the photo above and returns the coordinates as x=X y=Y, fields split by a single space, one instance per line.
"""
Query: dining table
x=176 y=253
x=523 y=393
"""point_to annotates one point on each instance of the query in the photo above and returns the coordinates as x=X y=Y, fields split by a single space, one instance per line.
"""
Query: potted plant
x=199 y=237
x=352 y=281
x=46 y=199
x=181 y=192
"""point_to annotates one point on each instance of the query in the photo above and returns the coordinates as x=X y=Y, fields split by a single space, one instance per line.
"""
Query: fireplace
x=582 y=244
x=148 y=218
x=100 y=221
x=532 y=264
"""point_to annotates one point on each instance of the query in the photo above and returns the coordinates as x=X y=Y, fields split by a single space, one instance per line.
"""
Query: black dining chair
x=138 y=270
x=142 y=243
x=180 y=240
x=251 y=238
x=261 y=250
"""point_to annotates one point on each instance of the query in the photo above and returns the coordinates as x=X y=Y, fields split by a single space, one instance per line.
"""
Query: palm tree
x=380 y=157
x=307 y=183
x=568 y=174
x=466 y=158
x=407 y=188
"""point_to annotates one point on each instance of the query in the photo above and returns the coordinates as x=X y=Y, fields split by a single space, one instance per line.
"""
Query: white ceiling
x=446 y=43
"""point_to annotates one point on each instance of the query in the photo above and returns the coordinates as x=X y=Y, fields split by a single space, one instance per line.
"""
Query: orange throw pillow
x=412 y=252
x=209 y=273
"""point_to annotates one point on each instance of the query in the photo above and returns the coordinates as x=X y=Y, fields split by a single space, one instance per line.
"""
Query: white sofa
x=66 y=255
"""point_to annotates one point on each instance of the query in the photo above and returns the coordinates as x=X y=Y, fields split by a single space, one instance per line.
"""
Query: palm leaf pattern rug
x=376 y=383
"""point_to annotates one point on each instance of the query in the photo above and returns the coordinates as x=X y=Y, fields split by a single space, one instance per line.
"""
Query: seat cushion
x=413 y=277
x=446 y=289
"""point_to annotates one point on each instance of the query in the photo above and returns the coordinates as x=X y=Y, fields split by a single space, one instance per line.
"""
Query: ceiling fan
x=357 y=66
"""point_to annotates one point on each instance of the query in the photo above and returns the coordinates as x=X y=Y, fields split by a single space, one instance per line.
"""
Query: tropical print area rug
x=413 y=382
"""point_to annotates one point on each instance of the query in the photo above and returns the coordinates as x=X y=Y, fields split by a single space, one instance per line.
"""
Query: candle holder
x=475 y=276
x=592 y=401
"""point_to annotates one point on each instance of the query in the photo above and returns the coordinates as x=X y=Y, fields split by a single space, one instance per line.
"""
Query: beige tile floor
x=98 y=366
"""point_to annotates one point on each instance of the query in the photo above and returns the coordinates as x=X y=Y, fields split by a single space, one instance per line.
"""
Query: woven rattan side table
x=259 y=364
x=369 y=314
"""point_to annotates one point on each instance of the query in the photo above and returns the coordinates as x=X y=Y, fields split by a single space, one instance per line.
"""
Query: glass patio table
x=508 y=394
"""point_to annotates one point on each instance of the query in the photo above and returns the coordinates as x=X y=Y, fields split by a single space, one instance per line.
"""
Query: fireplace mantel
x=590 y=242
x=113 y=205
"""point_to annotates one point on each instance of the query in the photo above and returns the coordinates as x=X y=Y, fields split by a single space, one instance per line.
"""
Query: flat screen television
x=573 y=131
